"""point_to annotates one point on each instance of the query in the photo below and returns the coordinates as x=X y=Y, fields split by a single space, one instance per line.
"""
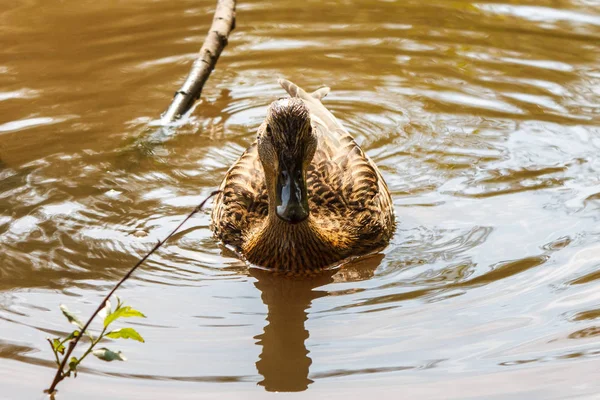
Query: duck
x=304 y=196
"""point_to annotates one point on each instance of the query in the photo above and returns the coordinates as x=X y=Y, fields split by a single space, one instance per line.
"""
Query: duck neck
x=279 y=245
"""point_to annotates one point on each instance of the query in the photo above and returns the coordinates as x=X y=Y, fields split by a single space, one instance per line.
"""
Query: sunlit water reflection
x=483 y=117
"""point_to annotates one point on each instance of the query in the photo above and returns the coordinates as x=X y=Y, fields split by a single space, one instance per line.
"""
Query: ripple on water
x=482 y=117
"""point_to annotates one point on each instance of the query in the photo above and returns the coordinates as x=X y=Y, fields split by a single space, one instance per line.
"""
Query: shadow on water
x=284 y=362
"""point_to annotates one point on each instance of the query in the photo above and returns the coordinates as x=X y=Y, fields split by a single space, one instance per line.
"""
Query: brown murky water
x=484 y=118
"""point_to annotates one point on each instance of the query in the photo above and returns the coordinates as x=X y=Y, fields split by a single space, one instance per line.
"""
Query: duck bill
x=292 y=201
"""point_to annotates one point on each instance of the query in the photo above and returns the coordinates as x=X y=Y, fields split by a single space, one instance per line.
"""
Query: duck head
x=286 y=146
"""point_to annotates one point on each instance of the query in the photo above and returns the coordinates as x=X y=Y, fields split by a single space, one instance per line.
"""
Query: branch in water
x=222 y=25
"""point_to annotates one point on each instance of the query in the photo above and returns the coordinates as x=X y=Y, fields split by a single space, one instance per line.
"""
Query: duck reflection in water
x=284 y=361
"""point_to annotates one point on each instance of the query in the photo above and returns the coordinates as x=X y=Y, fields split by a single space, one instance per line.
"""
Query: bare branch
x=216 y=40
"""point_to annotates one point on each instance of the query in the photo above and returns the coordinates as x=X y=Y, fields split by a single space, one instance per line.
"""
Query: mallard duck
x=303 y=196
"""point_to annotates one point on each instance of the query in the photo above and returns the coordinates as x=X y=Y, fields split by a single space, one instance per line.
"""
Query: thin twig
x=216 y=40
x=59 y=373
x=55 y=353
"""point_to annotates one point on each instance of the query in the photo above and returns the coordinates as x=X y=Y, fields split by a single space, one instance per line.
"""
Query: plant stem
x=94 y=343
x=54 y=351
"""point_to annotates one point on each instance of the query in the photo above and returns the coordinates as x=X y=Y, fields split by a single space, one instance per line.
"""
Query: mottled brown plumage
x=350 y=210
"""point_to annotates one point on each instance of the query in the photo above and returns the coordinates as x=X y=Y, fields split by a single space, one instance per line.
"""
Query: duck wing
x=243 y=200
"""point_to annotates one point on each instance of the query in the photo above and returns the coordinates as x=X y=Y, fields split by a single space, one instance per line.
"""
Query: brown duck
x=303 y=196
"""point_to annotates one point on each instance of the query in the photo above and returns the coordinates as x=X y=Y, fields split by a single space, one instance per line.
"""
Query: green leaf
x=125 y=333
x=123 y=312
x=108 y=355
x=73 y=334
x=73 y=365
x=70 y=316
x=58 y=346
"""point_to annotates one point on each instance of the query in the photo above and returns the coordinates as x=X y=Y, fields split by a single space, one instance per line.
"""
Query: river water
x=484 y=118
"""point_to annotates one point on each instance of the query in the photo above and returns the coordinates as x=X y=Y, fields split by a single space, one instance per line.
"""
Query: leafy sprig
x=110 y=316
x=64 y=347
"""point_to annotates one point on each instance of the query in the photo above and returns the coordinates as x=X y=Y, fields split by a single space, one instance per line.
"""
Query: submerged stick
x=216 y=40
x=59 y=373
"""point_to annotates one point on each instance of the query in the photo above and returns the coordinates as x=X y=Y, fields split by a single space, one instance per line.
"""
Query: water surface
x=484 y=118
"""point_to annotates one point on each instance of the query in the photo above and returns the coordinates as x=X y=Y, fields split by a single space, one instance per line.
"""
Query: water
x=483 y=117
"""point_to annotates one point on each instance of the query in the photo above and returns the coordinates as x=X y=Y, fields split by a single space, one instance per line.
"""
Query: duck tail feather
x=320 y=93
x=296 y=91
